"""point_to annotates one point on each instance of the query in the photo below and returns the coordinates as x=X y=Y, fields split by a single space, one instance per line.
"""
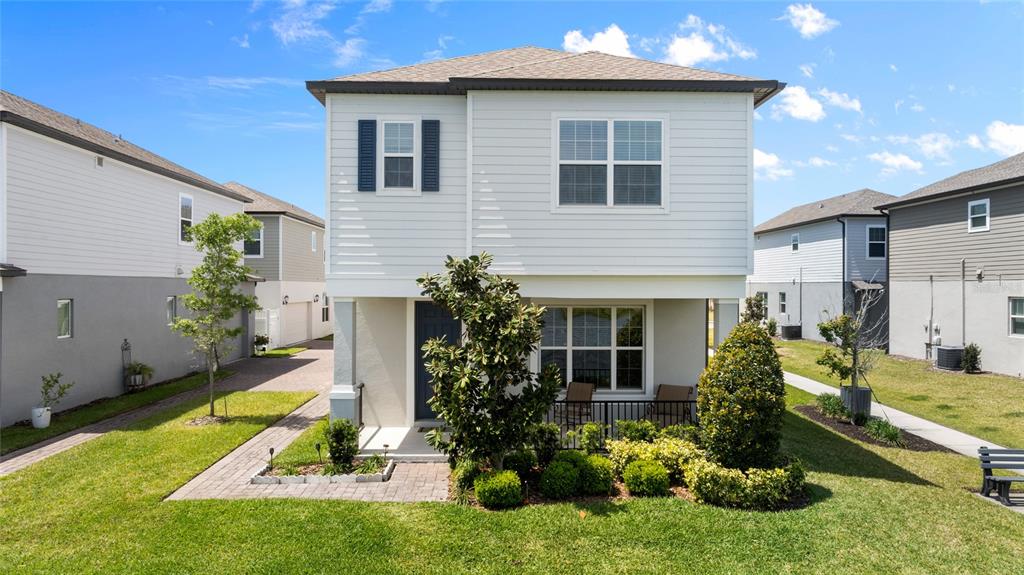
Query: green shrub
x=498 y=489
x=573 y=457
x=342 y=439
x=521 y=461
x=685 y=431
x=859 y=419
x=971 y=359
x=761 y=489
x=771 y=326
x=646 y=478
x=884 y=431
x=465 y=473
x=545 y=439
x=674 y=454
x=742 y=400
x=559 y=480
x=595 y=478
x=591 y=437
x=831 y=405
x=636 y=430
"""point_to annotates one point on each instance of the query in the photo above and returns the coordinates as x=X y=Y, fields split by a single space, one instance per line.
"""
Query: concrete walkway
x=309 y=370
x=957 y=441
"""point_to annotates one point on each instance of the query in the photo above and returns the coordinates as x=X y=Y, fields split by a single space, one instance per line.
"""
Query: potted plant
x=855 y=346
x=139 y=374
x=52 y=391
x=259 y=344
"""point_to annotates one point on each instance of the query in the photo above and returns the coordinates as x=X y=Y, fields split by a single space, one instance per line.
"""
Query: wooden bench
x=1008 y=459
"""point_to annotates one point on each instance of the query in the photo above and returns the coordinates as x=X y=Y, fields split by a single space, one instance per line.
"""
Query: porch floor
x=404 y=443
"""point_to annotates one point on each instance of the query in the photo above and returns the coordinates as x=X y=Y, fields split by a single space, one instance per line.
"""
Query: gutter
x=950 y=193
x=888 y=282
x=842 y=222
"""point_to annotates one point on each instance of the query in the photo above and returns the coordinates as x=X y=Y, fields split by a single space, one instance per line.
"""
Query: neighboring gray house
x=811 y=261
x=956 y=266
x=91 y=254
x=288 y=253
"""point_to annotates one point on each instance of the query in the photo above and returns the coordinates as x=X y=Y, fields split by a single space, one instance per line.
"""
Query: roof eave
x=293 y=215
x=949 y=193
x=815 y=221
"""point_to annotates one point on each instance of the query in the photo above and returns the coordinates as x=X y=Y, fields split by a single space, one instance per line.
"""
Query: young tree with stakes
x=216 y=299
x=484 y=389
x=856 y=341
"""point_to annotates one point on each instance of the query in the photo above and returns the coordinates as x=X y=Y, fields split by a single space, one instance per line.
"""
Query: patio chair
x=572 y=413
x=671 y=413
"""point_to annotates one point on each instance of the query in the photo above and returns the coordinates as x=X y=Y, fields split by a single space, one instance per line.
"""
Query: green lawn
x=18 y=436
x=98 y=508
x=984 y=405
x=302 y=451
x=282 y=351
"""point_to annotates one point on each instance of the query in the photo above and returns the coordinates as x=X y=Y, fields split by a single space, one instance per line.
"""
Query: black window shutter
x=367 y=156
x=431 y=174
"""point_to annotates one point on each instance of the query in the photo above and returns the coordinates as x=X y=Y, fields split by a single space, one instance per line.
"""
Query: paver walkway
x=308 y=370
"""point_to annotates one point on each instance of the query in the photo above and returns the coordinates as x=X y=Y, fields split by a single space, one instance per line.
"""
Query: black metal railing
x=359 y=404
x=571 y=415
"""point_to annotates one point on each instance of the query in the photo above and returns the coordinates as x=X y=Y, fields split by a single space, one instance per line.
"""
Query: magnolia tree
x=216 y=299
x=484 y=389
x=753 y=309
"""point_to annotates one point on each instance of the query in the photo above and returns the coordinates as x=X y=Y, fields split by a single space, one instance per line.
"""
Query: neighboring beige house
x=956 y=266
x=617 y=191
x=288 y=253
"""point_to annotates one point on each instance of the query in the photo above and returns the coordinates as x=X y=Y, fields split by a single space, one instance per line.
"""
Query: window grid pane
x=979 y=221
x=398 y=138
x=1017 y=306
x=1018 y=326
x=629 y=327
x=876 y=234
x=629 y=369
x=592 y=327
x=398 y=172
x=557 y=357
x=979 y=209
x=592 y=366
x=637 y=185
x=582 y=184
x=186 y=208
x=637 y=140
x=583 y=140
x=555 y=331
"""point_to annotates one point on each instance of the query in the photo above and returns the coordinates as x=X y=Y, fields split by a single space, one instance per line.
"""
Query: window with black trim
x=876 y=242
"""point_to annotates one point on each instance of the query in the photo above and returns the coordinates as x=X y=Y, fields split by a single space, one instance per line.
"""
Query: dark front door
x=431 y=321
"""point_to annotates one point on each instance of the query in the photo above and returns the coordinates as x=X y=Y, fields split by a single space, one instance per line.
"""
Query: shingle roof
x=1003 y=171
x=24 y=113
x=265 y=204
x=530 y=67
x=859 y=203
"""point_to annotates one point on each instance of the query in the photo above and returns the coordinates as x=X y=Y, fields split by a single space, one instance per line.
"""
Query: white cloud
x=757 y=115
x=374 y=6
x=840 y=100
x=916 y=107
x=706 y=42
x=348 y=52
x=242 y=42
x=1006 y=139
x=973 y=141
x=935 y=145
x=769 y=167
x=300 y=22
x=807 y=70
x=951 y=87
x=442 y=45
x=893 y=68
x=851 y=138
x=832 y=148
x=610 y=41
x=797 y=103
x=896 y=105
x=818 y=162
x=893 y=163
x=808 y=20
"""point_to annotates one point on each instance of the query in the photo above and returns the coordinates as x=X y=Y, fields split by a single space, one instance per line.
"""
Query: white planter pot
x=136 y=380
x=41 y=417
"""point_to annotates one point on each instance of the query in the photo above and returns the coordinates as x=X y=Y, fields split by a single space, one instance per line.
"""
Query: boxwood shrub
x=573 y=457
x=559 y=480
x=545 y=438
x=342 y=438
x=742 y=400
x=636 y=430
x=673 y=453
x=760 y=489
x=646 y=478
x=522 y=462
x=595 y=478
x=498 y=489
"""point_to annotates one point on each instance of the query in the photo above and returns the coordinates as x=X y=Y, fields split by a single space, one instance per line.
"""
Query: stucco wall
x=808 y=306
x=381 y=352
x=680 y=341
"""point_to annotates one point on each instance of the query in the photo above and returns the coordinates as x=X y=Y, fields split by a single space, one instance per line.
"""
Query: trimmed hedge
x=646 y=478
x=522 y=462
x=559 y=480
x=759 y=489
x=742 y=400
x=673 y=453
x=498 y=489
x=595 y=478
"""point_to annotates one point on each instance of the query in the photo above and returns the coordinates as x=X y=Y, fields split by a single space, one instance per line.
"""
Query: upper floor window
x=794 y=242
x=312 y=241
x=1017 y=315
x=876 y=242
x=325 y=310
x=399 y=155
x=253 y=247
x=184 y=217
x=978 y=216
x=65 y=318
x=631 y=159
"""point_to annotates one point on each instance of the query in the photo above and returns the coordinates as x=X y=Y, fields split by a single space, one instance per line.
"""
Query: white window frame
x=312 y=240
x=325 y=309
x=610 y=162
x=764 y=302
x=1011 y=317
x=782 y=302
x=646 y=307
x=415 y=190
x=171 y=308
x=71 y=318
x=191 y=220
x=260 y=240
x=868 y=242
x=794 y=242
x=988 y=216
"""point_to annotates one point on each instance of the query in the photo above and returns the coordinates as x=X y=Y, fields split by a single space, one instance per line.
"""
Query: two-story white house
x=812 y=261
x=617 y=191
x=92 y=253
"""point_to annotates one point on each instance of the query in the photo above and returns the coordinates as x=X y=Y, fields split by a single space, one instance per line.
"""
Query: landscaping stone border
x=262 y=479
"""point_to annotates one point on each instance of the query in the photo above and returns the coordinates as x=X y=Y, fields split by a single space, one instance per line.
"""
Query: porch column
x=344 y=392
x=727 y=315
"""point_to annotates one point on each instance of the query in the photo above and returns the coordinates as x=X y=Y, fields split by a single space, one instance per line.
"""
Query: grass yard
x=985 y=405
x=98 y=508
x=282 y=351
x=18 y=436
x=302 y=451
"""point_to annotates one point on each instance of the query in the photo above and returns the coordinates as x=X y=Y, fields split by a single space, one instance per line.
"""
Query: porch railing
x=571 y=415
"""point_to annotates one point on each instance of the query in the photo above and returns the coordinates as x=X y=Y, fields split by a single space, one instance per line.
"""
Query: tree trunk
x=853 y=374
x=210 y=369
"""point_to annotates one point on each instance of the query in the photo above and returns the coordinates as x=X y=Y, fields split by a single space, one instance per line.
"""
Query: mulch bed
x=913 y=442
x=207 y=420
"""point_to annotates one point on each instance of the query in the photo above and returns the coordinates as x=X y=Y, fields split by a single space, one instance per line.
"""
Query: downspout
x=888 y=282
x=842 y=222
x=963 y=302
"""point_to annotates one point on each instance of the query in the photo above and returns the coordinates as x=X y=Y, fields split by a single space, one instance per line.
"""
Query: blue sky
x=882 y=95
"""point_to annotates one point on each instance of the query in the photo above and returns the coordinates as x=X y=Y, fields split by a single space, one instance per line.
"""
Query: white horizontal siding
x=65 y=215
x=707 y=182
x=820 y=256
x=377 y=236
